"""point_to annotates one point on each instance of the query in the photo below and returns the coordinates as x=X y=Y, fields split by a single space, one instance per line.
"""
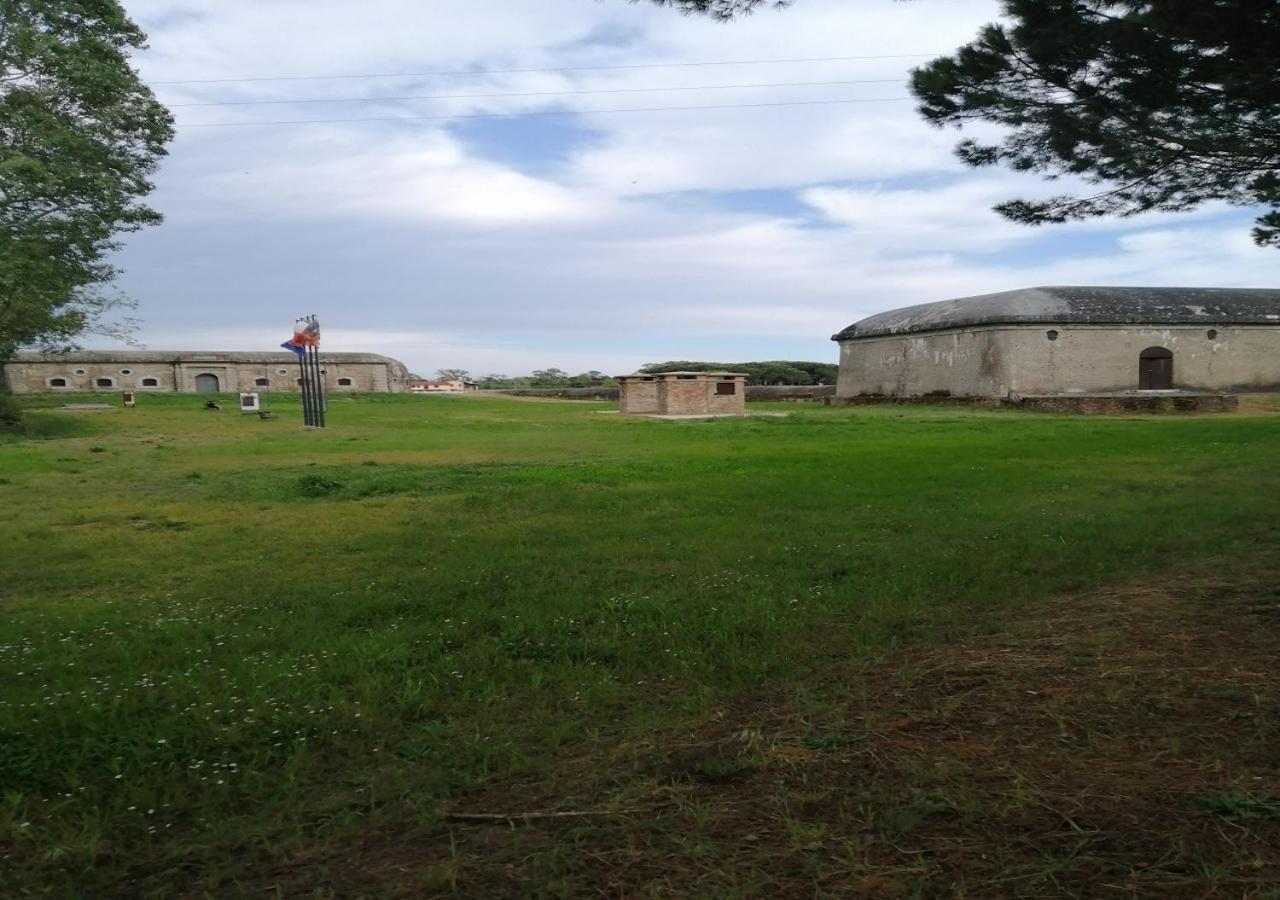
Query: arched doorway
x=1155 y=369
x=207 y=384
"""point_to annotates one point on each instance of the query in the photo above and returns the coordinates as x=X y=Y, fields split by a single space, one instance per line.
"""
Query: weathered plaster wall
x=963 y=363
x=174 y=376
x=999 y=360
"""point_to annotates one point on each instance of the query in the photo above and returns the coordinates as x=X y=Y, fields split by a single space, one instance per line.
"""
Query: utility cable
x=557 y=112
x=703 y=87
x=676 y=65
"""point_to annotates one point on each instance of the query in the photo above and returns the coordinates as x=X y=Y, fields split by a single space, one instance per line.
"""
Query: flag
x=306 y=333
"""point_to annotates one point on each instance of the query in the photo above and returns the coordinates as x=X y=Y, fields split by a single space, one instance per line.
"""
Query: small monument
x=683 y=394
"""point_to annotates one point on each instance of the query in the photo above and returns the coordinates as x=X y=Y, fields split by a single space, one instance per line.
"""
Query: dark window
x=150 y=382
x=344 y=382
x=686 y=377
x=299 y=382
x=262 y=382
x=726 y=388
x=104 y=382
x=1212 y=334
x=57 y=382
x=1051 y=335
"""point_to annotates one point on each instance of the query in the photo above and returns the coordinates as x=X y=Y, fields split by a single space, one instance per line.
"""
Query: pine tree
x=1164 y=104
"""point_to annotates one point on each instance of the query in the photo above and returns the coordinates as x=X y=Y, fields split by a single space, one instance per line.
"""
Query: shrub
x=10 y=411
x=317 y=485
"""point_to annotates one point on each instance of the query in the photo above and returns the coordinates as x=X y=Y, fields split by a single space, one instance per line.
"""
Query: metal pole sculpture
x=302 y=386
x=317 y=386
x=306 y=343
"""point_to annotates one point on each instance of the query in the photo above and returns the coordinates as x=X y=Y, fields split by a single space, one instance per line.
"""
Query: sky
x=665 y=187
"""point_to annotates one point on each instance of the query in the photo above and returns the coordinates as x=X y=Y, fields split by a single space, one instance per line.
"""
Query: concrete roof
x=1079 y=305
x=192 y=356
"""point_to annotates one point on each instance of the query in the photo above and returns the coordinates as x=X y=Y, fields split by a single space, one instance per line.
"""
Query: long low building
x=196 y=372
x=1067 y=340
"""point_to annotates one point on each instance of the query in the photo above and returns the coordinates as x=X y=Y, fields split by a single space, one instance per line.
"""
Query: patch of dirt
x=1122 y=743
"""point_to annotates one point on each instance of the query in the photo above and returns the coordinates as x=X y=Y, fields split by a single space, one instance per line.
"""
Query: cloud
x=599 y=239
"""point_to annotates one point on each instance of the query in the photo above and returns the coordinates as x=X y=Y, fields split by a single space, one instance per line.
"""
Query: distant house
x=1068 y=340
x=441 y=386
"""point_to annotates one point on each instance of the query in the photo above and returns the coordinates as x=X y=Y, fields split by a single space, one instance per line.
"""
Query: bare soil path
x=1122 y=743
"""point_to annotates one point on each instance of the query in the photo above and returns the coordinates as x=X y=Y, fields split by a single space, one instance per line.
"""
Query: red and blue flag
x=306 y=333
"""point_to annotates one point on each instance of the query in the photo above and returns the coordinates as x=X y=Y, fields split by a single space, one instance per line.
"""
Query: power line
x=558 y=112
x=704 y=87
x=683 y=65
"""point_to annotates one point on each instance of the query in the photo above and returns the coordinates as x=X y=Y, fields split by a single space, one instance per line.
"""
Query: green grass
x=226 y=641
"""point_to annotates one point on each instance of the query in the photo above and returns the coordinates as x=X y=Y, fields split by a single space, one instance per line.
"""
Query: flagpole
x=306 y=394
x=317 y=387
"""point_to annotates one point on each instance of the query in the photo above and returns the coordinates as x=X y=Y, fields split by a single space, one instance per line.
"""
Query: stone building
x=441 y=386
x=1067 y=340
x=683 y=394
x=196 y=372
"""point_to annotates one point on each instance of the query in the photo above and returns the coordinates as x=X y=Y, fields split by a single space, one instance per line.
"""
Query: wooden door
x=207 y=383
x=1155 y=369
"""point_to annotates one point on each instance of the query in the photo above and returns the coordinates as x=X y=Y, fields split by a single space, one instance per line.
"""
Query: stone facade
x=1227 y=341
x=192 y=372
x=1128 y=404
x=683 y=394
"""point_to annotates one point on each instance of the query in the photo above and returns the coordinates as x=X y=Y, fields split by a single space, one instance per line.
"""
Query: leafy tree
x=453 y=374
x=550 y=378
x=593 y=378
x=493 y=381
x=80 y=137
x=1167 y=104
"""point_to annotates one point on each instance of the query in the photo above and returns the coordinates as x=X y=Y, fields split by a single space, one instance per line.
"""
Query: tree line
x=777 y=371
x=540 y=378
x=769 y=372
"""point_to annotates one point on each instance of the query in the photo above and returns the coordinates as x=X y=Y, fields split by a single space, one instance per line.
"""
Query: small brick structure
x=683 y=394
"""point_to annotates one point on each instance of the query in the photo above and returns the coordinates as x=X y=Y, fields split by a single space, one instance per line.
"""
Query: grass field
x=239 y=656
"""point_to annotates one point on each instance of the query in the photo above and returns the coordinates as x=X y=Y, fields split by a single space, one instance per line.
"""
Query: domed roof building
x=1067 y=340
